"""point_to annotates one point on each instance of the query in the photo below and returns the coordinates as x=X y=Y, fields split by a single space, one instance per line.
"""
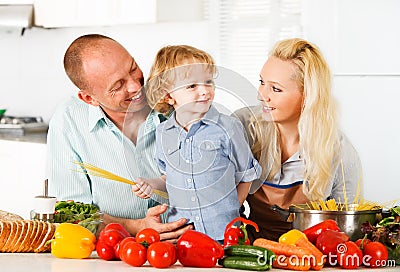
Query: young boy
x=203 y=153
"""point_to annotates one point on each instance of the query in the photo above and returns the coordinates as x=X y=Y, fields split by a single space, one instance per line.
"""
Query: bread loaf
x=7 y=216
x=25 y=235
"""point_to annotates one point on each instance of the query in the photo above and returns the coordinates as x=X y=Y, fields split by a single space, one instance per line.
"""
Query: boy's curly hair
x=162 y=73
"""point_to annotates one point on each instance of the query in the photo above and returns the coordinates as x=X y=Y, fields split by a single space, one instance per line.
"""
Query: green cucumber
x=249 y=251
x=245 y=263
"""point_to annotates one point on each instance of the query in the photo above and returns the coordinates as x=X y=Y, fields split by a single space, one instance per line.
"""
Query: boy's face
x=193 y=90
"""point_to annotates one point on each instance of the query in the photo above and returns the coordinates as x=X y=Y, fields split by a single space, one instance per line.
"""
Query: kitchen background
x=360 y=39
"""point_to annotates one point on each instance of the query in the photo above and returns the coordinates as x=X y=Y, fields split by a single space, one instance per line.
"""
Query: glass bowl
x=89 y=221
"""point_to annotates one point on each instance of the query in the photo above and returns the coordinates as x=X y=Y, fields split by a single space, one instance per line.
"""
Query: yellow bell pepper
x=291 y=237
x=72 y=241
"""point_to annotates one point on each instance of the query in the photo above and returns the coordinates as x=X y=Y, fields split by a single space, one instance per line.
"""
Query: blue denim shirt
x=203 y=167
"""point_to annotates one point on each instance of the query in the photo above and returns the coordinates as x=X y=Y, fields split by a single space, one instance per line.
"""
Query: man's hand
x=169 y=231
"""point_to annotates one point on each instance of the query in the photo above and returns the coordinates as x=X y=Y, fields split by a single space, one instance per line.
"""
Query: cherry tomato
x=147 y=236
x=105 y=251
x=376 y=254
x=111 y=237
x=118 y=246
x=133 y=253
x=361 y=243
x=119 y=227
x=161 y=254
x=349 y=255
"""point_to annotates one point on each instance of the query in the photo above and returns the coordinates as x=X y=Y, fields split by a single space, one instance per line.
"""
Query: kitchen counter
x=40 y=137
x=43 y=262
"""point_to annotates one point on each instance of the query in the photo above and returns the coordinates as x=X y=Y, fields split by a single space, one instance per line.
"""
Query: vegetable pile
x=387 y=232
x=86 y=215
x=238 y=253
x=324 y=244
x=116 y=243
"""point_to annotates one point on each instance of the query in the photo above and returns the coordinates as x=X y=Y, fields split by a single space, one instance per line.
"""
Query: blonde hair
x=162 y=74
x=318 y=129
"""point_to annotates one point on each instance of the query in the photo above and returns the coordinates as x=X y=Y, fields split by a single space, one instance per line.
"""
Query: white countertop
x=43 y=262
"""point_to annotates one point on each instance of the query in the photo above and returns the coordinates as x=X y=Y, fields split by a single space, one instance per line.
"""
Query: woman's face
x=280 y=95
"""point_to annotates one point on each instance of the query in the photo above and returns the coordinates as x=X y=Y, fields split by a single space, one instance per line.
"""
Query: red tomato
x=361 y=243
x=161 y=254
x=111 y=237
x=119 y=245
x=119 y=227
x=376 y=254
x=133 y=253
x=349 y=255
x=105 y=251
x=147 y=236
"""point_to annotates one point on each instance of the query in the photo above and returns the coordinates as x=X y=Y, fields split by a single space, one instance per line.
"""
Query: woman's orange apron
x=270 y=223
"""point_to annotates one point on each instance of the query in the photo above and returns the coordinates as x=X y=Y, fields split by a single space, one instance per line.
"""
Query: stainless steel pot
x=348 y=221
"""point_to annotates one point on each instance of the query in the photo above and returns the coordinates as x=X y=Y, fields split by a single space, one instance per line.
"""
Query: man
x=111 y=126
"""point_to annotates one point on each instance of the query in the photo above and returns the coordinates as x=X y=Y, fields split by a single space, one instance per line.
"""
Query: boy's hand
x=142 y=188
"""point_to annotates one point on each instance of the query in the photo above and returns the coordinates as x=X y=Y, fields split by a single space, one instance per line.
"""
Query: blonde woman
x=203 y=153
x=295 y=137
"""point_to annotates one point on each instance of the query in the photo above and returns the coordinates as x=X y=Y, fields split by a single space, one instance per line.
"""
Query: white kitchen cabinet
x=76 y=13
x=360 y=40
x=22 y=167
x=369 y=117
x=358 y=37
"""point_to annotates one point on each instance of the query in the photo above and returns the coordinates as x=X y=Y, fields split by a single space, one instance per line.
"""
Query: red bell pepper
x=197 y=249
x=313 y=232
x=107 y=244
x=329 y=241
x=238 y=235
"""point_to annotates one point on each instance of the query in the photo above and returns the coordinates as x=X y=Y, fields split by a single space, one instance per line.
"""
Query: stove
x=20 y=126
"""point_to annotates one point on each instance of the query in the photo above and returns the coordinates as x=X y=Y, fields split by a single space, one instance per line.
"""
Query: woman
x=295 y=137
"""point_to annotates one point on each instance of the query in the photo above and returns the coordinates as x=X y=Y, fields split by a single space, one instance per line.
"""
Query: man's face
x=114 y=78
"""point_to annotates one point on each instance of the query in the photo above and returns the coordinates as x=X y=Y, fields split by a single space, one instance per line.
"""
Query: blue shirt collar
x=211 y=117
x=96 y=115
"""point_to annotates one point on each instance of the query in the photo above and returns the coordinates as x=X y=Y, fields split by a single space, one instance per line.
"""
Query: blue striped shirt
x=83 y=133
x=203 y=167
